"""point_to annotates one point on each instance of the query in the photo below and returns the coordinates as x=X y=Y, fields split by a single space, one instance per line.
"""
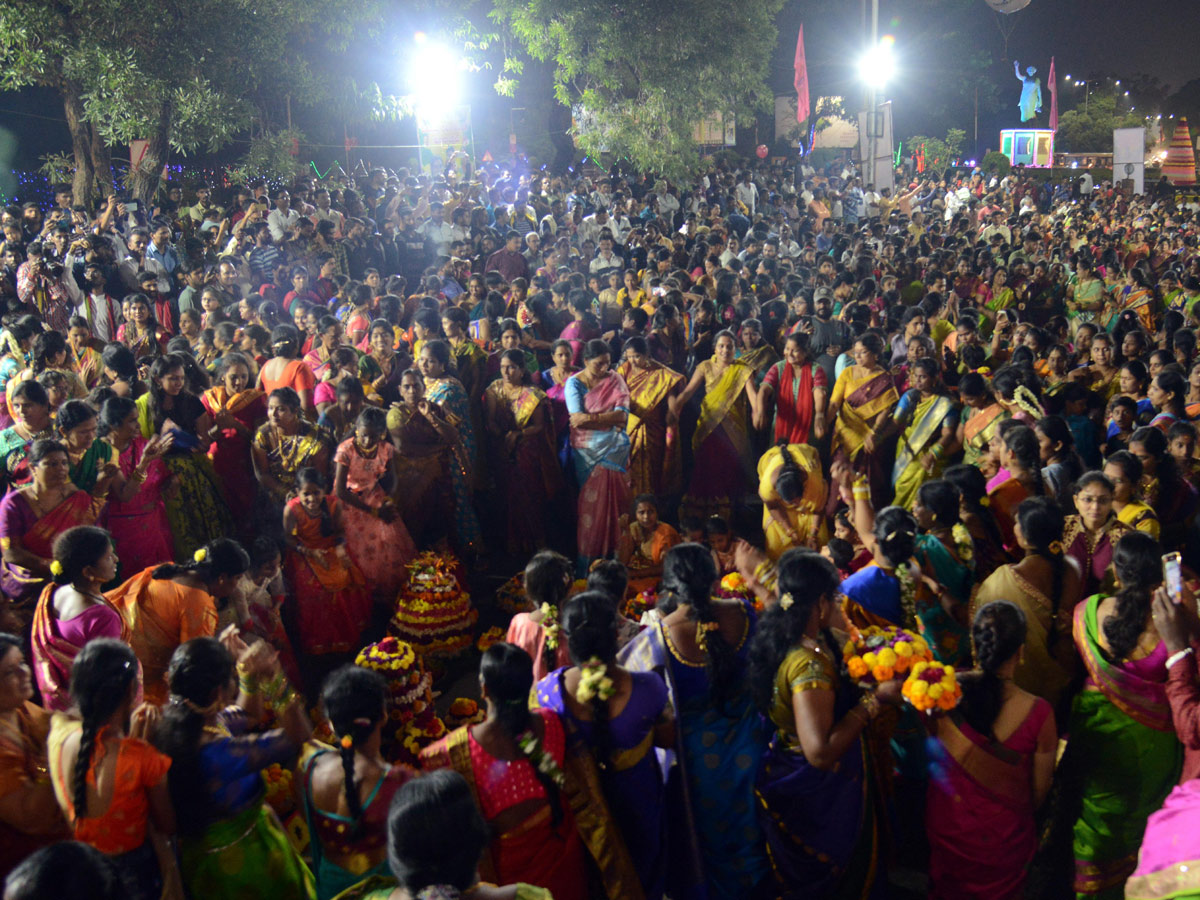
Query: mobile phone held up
x=1173 y=576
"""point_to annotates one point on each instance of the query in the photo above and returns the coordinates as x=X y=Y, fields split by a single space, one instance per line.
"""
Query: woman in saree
x=614 y=718
x=520 y=437
x=1045 y=585
x=320 y=358
x=426 y=445
x=283 y=445
x=140 y=332
x=137 y=521
x=862 y=403
x=1124 y=470
x=1164 y=485
x=168 y=605
x=554 y=383
x=700 y=649
x=721 y=442
x=364 y=482
x=286 y=369
x=16 y=341
x=31 y=517
x=655 y=464
x=754 y=351
x=928 y=417
x=1138 y=296
x=196 y=509
x=1167 y=395
x=469 y=362
x=512 y=338
x=121 y=371
x=644 y=542
x=993 y=769
x=800 y=390
x=31 y=410
x=30 y=817
x=583 y=326
x=382 y=366
x=514 y=762
x=92 y=466
x=444 y=389
x=982 y=414
x=792 y=487
x=436 y=837
x=1087 y=295
x=1103 y=375
x=1020 y=476
x=71 y=610
x=230 y=844
x=598 y=402
x=998 y=295
x=1123 y=756
x=347 y=791
x=815 y=794
x=236 y=410
x=1092 y=532
x=51 y=354
x=332 y=597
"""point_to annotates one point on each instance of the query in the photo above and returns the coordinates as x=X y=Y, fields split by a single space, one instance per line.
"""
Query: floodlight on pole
x=877 y=66
x=434 y=74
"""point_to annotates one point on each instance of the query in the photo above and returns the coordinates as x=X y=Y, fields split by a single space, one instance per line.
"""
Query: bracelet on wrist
x=870 y=705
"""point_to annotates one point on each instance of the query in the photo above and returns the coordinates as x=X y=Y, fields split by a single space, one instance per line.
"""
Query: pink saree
x=601 y=459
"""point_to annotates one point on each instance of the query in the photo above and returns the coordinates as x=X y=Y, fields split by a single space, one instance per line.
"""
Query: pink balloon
x=762 y=151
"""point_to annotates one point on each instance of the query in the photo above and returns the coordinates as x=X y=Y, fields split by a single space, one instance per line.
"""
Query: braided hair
x=1137 y=559
x=354 y=700
x=809 y=578
x=1041 y=521
x=436 y=833
x=589 y=621
x=100 y=680
x=1022 y=443
x=688 y=577
x=507 y=674
x=997 y=634
x=972 y=486
x=547 y=580
x=197 y=673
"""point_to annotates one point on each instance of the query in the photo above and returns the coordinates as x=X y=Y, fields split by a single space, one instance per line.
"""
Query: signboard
x=441 y=132
x=1129 y=156
x=718 y=130
x=875 y=140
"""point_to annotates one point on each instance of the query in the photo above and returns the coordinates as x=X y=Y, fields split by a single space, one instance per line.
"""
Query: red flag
x=1053 y=79
x=801 y=79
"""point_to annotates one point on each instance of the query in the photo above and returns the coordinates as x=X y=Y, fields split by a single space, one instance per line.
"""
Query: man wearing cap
x=828 y=337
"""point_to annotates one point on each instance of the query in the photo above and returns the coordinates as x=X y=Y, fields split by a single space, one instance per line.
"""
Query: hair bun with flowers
x=200 y=555
x=56 y=568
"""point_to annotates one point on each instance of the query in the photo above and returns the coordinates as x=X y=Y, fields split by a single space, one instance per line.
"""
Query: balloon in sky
x=762 y=151
x=1007 y=6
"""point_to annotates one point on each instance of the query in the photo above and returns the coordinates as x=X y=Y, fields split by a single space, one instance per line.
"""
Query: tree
x=1090 y=128
x=939 y=152
x=641 y=76
x=181 y=76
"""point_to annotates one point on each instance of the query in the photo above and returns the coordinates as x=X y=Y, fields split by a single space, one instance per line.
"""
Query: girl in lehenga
x=721 y=441
x=364 y=482
x=929 y=418
x=862 y=401
x=196 y=509
x=598 y=402
x=816 y=798
x=1123 y=756
x=792 y=488
x=231 y=844
x=654 y=457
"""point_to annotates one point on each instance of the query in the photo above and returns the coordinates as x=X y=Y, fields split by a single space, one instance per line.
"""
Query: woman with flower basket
x=614 y=719
x=816 y=799
x=994 y=769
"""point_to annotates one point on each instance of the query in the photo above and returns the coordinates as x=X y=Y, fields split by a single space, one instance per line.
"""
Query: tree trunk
x=148 y=175
x=83 y=187
x=101 y=163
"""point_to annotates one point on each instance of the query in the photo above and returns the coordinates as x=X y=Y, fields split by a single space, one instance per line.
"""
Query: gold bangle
x=870 y=705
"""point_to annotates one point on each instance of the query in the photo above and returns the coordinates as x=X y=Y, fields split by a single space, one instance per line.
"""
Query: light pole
x=875 y=68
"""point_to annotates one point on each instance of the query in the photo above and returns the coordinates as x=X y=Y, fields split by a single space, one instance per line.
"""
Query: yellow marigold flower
x=887 y=657
x=903 y=649
x=935 y=691
x=870 y=659
x=918 y=688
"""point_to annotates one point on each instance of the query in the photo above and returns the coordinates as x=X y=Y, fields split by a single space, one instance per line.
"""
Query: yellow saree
x=859 y=399
x=655 y=465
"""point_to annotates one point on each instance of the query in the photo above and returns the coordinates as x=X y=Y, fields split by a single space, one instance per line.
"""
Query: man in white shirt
x=325 y=213
x=134 y=259
x=282 y=218
x=666 y=202
x=101 y=311
x=1086 y=184
x=591 y=226
x=437 y=230
x=871 y=200
x=606 y=257
x=746 y=193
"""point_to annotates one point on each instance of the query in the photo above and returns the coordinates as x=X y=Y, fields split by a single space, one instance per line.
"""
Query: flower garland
x=874 y=655
x=539 y=758
x=594 y=681
x=908 y=593
x=963 y=542
x=550 y=624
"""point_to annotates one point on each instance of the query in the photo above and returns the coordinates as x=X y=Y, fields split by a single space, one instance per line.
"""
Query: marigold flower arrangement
x=874 y=655
x=734 y=587
x=493 y=635
x=640 y=604
x=279 y=794
x=932 y=687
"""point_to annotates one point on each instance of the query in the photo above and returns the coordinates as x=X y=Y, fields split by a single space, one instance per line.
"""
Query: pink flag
x=1053 y=79
x=801 y=79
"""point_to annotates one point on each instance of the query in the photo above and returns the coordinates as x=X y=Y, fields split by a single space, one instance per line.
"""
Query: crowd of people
x=964 y=408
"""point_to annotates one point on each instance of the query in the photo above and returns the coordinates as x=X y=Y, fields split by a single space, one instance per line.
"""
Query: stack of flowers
x=510 y=596
x=412 y=719
x=932 y=687
x=465 y=711
x=278 y=783
x=874 y=655
x=433 y=612
x=640 y=604
x=733 y=587
x=493 y=635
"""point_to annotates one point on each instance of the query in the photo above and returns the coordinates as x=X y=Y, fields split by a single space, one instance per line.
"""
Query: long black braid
x=354 y=700
x=100 y=680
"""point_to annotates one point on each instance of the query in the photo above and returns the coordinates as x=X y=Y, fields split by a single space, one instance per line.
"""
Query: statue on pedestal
x=1031 y=91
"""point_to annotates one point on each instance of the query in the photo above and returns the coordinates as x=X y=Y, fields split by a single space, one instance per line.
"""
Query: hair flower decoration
x=550 y=624
x=786 y=601
x=200 y=555
x=347 y=742
x=1056 y=548
x=594 y=682
x=56 y=568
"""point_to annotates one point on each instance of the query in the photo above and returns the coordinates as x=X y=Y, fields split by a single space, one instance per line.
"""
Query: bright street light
x=877 y=66
x=434 y=74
